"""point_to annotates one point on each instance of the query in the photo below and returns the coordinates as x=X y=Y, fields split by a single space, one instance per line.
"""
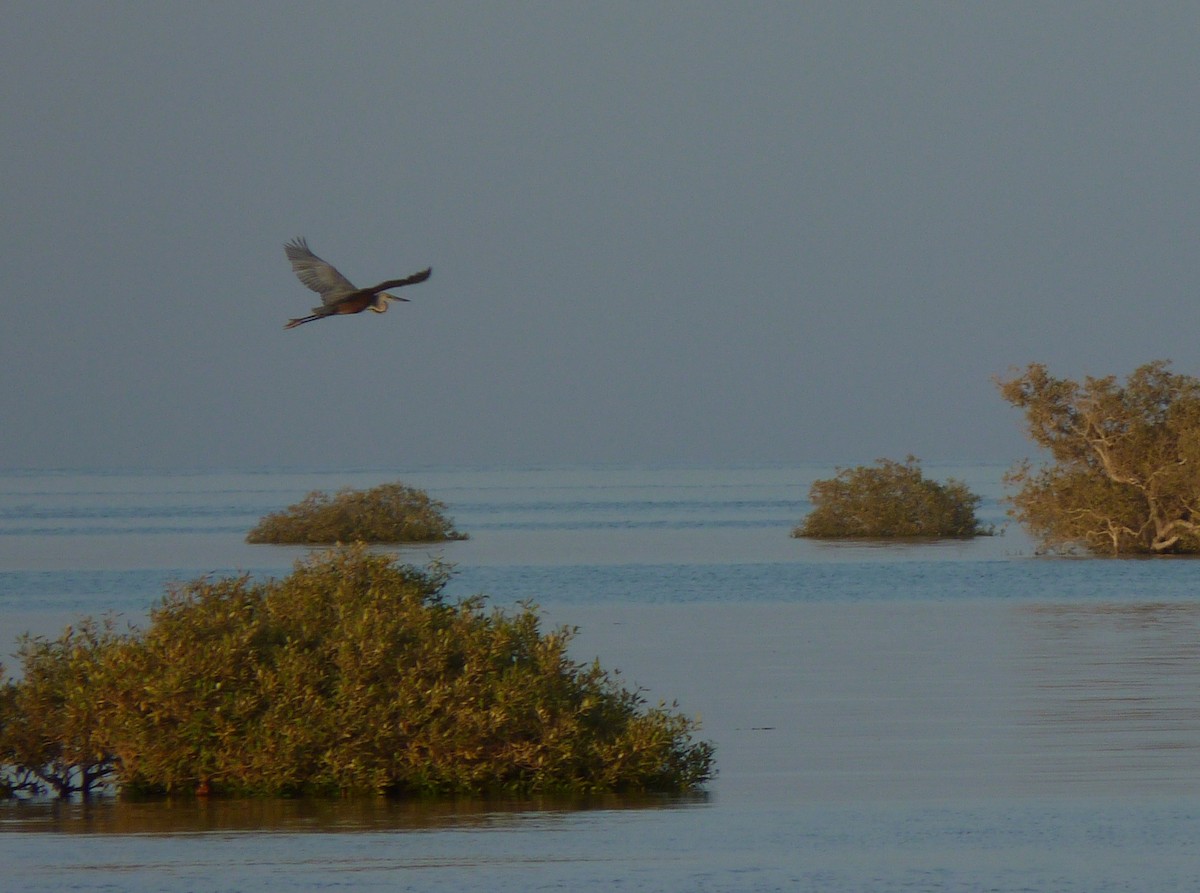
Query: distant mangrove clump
x=890 y=499
x=389 y=513
x=351 y=675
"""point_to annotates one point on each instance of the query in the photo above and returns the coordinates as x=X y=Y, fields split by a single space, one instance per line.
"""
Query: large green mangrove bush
x=389 y=513
x=353 y=674
x=892 y=499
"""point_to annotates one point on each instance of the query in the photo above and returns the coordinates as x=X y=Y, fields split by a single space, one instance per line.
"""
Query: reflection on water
x=112 y=815
x=1115 y=691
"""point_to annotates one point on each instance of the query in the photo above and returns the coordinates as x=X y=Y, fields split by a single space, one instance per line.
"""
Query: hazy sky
x=660 y=232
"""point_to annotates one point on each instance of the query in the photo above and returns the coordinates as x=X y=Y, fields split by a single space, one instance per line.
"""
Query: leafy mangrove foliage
x=1124 y=470
x=352 y=674
x=892 y=499
x=389 y=513
x=49 y=721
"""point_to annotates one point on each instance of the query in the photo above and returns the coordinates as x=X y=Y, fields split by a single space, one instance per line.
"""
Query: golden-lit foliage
x=891 y=499
x=389 y=513
x=1124 y=475
x=49 y=722
x=354 y=675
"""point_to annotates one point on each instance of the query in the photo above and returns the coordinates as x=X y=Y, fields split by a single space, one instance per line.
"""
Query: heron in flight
x=338 y=294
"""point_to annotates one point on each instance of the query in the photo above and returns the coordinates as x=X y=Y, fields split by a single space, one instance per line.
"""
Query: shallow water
x=953 y=716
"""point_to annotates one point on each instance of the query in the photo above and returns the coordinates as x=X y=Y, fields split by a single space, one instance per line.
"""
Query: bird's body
x=338 y=294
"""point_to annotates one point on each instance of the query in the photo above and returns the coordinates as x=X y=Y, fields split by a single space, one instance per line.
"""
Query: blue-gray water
x=952 y=716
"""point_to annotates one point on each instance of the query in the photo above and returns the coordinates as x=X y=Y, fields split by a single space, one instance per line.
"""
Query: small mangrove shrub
x=891 y=499
x=351 y=675
x=389 y=513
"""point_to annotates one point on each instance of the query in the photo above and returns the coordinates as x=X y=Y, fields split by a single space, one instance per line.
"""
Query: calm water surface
x=950 y=716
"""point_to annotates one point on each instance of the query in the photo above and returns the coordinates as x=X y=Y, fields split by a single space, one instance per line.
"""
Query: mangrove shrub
x=355 y=675
x=892 y=499
x=1124 y=469
x=50 y=730
x=389 y=513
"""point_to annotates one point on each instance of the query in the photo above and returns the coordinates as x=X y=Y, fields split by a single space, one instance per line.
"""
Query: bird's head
x=380 y=304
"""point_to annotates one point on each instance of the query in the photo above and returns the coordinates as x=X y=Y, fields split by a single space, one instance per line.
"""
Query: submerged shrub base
x=354 y=675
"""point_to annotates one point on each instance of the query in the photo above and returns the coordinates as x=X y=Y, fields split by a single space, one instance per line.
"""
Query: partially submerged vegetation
x=351 y=675
x=1124 y=470
x=50 y=730
x=892 y=499
x=389 y=513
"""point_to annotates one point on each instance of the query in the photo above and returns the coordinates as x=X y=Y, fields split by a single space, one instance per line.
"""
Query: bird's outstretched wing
x=321 y=277
x=407 y=280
